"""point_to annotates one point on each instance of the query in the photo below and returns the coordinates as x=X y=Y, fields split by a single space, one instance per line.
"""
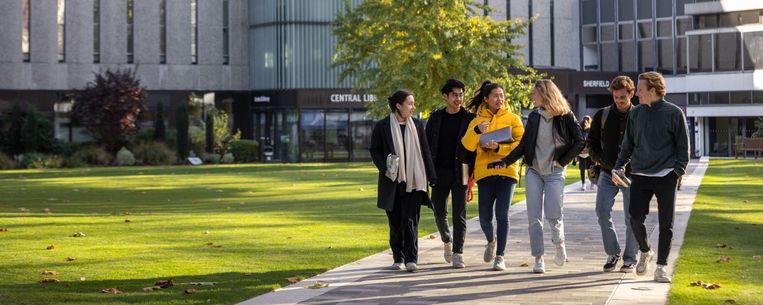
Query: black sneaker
x=611 y=263
x=628 y=267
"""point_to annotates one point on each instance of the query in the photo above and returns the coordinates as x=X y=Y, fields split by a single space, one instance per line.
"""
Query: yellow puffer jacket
x=471 y=141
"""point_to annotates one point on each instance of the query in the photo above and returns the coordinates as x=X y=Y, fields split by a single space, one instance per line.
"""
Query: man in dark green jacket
x=656 y=144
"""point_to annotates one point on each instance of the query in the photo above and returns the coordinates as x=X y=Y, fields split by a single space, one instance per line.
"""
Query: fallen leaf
x=47 y=210
x=3 y=229
x=318 y=285
x=148 y=289
x=49 y=280
x=217 y=246
x=24 y=209
x=79 y=234
x=724 y=259
x=431 y=236
x=206 y=232
x=70 y=258
x=46 y=272
x=165 y=284
x=127 y=220
x=524 y=265
x=82 y=278
x=730 y=301
x=247 y=274
x=209 y=244
x=721 y=245
x=190 y=291
x=51 y=247
x=111 y=290
x=756 y=257
x=292 y=280
x=203 y=283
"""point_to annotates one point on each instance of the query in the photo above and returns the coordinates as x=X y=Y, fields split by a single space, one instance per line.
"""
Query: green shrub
x=154 y=153
x=125 y=157
x=6 y=162
x=227 y=158
x=181 y=134
x=245 y=150
x=88 y=155
x=39 y=160
x=210 y=158
x=197 y=140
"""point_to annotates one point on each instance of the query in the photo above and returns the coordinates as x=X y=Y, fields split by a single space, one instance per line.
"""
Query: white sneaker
x=561 y=255
x=448 y=251
x=411 y=267
x=539 y=267
x=396 y=267
x=661 y=274
x=489 y=251
x=458 y=261
x=642 y=261
x=499 y=264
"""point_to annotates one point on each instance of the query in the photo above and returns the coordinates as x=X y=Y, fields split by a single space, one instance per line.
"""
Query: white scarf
x=410 y=154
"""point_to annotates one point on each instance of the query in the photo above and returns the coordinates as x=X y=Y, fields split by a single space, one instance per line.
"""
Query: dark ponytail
x=481 y=93
x=397 y=98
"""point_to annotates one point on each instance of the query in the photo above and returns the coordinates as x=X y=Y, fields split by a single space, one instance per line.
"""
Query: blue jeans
x=605 y=199
x=544 y=194
x=495 y=192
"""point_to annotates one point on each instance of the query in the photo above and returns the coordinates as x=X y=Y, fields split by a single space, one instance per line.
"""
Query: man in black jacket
x=444 y=130
x=604 y=138
x=656 y=144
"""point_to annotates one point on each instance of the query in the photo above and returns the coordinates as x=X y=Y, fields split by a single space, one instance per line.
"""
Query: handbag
x=593 y=173
x=502 y=135
x=469 y=186
x=393 y=165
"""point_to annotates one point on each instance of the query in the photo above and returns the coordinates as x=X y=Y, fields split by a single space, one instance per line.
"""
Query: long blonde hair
x=553 y=101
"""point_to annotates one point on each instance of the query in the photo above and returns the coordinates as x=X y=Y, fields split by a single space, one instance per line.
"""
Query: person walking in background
x=552 y=140
x=495 y=185
x=445 y=128
x=604 y=138
x=399 y=140
x=584 y=160
x=656 y=144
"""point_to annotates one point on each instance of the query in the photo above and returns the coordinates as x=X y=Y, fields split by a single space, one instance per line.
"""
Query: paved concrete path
x=580 y=281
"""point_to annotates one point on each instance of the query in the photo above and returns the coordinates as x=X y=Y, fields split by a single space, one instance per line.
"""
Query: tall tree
x=181 y=125
x=109 y=107
x=15 y=144
x=384 y=45
x=210 y=132
x=160 y=131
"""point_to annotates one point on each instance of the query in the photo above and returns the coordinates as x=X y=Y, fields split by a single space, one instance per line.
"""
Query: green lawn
x=246 y=227
x=728 y=211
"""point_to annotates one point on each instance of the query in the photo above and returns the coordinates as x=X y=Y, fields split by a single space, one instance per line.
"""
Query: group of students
x=648 y=143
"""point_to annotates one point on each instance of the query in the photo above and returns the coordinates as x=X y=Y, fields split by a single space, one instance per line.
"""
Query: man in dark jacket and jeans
x=656 y=144
x=444 y=130
x=604 y=138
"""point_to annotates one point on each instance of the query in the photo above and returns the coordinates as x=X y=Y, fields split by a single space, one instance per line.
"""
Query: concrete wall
x=44 y=72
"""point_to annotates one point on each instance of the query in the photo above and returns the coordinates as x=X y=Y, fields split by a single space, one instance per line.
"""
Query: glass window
x=608 y=58
x=644 y=8
x=628 y=57
x=664 y=28
x=720 y=98
x=607 y=10
x=681 y=55
x=590 y=58
x=665 y=60
x=226 y=38
x=727 y=52
x=707 y=21
x=626 y=31
x=753 y=50
x=749 y=17
x=741 y=97
x=680 y=6
x=683 y=25
x=194 y=32
x=699 y=98
x=589 y=34
x=625 y=9
x=361 y=128
x=676 y=98
x=130 y=32
x=645 y=30
x=312 y=136
x=700 y=53
x=61 y=27
x=589 y=12
x=664 y=8
x=25 y=31
x=163 y=31
x=608 y=32
x=337 y=135
x=728 y=19
x=757 y=97
x=646 y=55
x=96 y=31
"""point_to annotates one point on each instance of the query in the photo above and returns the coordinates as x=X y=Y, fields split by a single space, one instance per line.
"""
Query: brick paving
x=580 y=281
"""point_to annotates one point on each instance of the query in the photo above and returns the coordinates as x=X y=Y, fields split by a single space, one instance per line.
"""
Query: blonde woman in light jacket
x=496 y=186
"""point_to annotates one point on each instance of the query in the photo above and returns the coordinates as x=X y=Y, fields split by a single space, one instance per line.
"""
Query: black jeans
x=583 y=164
x=404 y=225
x=448 y=182
x=642 y=189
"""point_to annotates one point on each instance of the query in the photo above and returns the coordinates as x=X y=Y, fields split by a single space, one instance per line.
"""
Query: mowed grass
x=728 y=211
x=245 y=227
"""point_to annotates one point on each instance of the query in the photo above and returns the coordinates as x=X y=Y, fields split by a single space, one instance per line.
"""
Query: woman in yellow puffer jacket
x=496 y=186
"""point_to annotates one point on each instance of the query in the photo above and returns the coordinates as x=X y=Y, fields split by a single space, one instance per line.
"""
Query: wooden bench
x=754 y=145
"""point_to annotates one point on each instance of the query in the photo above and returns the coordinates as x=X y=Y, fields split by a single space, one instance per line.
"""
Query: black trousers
x=404 y=225
x=642 y=190
x=448 y=182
